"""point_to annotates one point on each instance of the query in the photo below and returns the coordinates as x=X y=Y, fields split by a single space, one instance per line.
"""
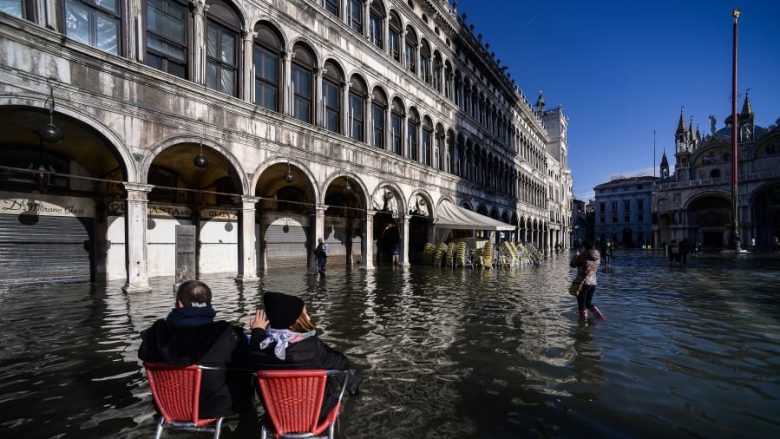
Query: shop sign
x=219 y=214
x=13 y=203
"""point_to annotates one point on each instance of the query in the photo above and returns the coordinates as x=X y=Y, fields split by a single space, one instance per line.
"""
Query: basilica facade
x=266 y=125
x=694 y=201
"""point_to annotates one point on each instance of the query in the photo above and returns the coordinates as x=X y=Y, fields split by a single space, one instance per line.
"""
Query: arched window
x=357 y=108
x=474 y=102
x=355 y=15
x=378 y=108
x=94 y=22
x=376 y=24
x=411 y=49
x=222 y=39
x=438 y=148
x=332 y=81
x=166 y=36
x=449 y=92
x=303 y=83
x=458 y=90
x=333 y=6
x=427 y=141
x=412 y=131
x=425 y=61
x=267 y=66
x=437 y=71
x=396 y=123
x=395 y=36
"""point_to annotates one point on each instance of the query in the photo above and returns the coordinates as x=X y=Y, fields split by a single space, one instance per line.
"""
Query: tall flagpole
x=653 y=153
x=734 y=138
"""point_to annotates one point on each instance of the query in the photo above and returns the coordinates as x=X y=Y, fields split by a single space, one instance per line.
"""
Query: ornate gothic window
x=396 y=123
x=395 y=36
x=412 y=131
x=410 y=51
x=427 y=141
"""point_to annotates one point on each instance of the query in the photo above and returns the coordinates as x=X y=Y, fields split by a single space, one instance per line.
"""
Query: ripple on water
x=447 y=353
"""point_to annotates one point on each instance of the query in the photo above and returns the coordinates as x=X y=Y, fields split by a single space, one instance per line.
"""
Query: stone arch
x=124 y=156
x=301 y=166
x=168 y=142
x=704 y=194
x=266 y=19
x=240 y=10
x=428 y=199
x=398 y=194
x=303 y=41
x=353 y=177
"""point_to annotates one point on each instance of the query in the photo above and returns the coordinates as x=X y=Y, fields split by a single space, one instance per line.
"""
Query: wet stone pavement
x=447 y=353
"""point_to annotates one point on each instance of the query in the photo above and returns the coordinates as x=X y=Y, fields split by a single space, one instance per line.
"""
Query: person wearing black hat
x=284 y=337
x=189 y=335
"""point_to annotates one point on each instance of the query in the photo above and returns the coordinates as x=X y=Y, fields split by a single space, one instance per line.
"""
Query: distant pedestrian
x=674 y=253
x=685 y=248
x=321 y=253
x=587 y=265
x=752 y=244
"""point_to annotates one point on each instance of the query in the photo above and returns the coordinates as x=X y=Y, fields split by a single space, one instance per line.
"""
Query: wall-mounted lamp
x=288 y=177
x=50 y=133
x=200 y=161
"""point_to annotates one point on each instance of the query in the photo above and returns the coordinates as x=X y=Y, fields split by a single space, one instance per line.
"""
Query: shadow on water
x=447 y=353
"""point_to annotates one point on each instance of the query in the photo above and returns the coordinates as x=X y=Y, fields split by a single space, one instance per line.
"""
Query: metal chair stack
x=451 y=254
x=428 y=251
x=438 y=255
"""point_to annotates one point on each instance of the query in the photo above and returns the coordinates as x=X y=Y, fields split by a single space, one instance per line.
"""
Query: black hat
x=282 y=309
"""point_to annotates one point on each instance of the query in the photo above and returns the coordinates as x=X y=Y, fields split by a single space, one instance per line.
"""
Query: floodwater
x=447 y=353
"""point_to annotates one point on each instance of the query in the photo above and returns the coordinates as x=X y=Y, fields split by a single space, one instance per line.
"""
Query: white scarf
x=283 y=338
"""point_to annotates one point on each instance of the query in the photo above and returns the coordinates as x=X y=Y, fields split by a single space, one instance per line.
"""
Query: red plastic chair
x=293 y=399
x=176 y=390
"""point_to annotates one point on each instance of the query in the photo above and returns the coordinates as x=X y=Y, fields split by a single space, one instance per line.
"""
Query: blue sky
x=622 y=69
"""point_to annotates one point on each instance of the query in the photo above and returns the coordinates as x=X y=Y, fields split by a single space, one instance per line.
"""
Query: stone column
x=386 y=32
x=366 y=19
x=247 y=267
x=199 y=9
x=262 y=262
x=135 y=226
x=388 y=128
x=368 y=121
x=404 y=224
x=367 y=242
x=319 y=100
x=318 y=218
x=249 y=38
x=346 y=122
x=402 y=46
x=288 y=88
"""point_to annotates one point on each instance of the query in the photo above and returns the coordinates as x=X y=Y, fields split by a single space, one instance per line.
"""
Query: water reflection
x=447 y=353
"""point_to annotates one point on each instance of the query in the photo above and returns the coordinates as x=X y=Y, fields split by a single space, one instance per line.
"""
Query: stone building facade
x=266 y=124
x=695 y=200
x=623 y=212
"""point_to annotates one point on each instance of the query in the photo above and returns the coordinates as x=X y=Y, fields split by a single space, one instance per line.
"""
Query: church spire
x=747 y=108
x=681 y=123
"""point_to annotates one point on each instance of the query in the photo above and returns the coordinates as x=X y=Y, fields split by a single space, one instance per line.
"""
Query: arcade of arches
x=84 y=209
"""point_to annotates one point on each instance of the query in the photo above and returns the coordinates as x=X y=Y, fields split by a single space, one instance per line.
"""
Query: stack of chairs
x=535 y=255
x=451 y=254
x=438 y=255
x=507 y=255
x=461 y=258
x=486 y=255
x=428 y=253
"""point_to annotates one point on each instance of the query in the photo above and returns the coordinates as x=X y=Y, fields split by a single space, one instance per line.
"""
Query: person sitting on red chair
x=189 y=335
x=284 y=337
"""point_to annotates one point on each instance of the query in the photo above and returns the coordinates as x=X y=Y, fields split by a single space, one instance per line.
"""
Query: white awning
x=450 y=216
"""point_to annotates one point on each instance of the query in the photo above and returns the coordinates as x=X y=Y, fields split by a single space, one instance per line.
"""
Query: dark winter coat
x=310 y=353
x=214 y=344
